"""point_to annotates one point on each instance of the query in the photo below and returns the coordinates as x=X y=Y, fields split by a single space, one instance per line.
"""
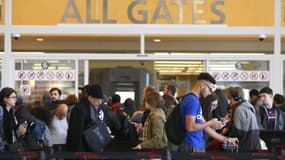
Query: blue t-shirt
x=191 y=106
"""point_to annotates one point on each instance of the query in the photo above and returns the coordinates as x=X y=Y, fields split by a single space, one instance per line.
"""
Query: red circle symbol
x=21 y=75
x=69 y=75
x=216 y=75
x=31 y=75
x=234 y=76
x=263 y=76
x=50 y=75
x=253 y=75
x=59 y=75
x=226 y=75
x=244 y=75
x=41 y=75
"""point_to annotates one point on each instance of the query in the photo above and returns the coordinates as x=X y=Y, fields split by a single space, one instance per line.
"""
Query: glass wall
x=131 y=76
x=34 y=78
x=245 y=74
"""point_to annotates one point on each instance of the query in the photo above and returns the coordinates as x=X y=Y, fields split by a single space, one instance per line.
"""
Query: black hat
x=116 y=98
x=207 y=77
x=84 y=88
x=266 y=90
x=95 y=91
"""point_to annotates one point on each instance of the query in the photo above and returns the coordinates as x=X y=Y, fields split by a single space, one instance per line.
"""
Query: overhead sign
x=45 y=75
x=241 y=75
x=25 y=90
x=245 y=13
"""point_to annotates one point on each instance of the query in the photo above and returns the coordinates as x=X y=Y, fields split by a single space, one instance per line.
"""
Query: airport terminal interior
x=127 y=45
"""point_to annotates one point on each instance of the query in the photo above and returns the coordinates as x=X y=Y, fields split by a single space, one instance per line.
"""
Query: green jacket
x=154 y=135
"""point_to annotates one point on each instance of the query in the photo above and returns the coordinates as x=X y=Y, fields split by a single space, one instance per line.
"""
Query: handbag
x=16 y=146
x=97 y=136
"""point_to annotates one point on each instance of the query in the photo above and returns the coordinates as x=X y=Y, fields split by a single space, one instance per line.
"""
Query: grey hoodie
x=246 y=127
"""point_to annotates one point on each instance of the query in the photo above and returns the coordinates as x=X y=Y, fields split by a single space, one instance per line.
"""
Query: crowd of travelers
x=210 y=117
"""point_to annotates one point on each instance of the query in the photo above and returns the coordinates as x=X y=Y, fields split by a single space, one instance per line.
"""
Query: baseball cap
x=207 y=77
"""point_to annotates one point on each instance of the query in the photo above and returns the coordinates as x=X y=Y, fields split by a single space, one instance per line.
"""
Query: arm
x=191 y=125
x=212 y=133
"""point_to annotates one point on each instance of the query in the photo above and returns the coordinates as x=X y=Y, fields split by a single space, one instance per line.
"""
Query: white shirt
x=58 y=130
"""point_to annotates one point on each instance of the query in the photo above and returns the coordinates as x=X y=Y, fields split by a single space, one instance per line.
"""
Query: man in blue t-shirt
x=192 y=117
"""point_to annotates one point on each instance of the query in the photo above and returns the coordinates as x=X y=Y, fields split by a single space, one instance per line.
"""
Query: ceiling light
x=237 y=54
x=29 y=52
x=156 y=40
x=40 y=39
x=177 y=65
x=179 y=53
x=178 y=62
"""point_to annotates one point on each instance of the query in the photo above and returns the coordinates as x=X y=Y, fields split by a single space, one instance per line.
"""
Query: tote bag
x=97 y=136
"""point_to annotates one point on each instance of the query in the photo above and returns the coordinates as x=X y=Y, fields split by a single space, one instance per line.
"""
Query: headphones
x=236 y=96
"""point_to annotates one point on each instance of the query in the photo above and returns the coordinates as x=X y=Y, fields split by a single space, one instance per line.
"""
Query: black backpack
x=2 y=144
x=174 y=130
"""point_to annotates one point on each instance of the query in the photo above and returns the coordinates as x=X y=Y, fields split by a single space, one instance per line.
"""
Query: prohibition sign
x=26 y=90
x=41 y=75
x=21 y=75
x=244 y=75
x=216 y=75
x=69 y=75
x=234 y=75
x=226 y=75
x=50 y=75
x=59 y=75
x=263 y=76
x=253 y=76
x=31 y=75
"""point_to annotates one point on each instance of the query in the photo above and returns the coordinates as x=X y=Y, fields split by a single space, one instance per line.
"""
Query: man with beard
x=192 y=117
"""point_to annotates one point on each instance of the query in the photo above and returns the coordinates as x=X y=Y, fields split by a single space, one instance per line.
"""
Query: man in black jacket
x=87 y=111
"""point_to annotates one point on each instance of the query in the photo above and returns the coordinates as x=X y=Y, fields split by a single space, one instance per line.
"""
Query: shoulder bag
x=97 y=136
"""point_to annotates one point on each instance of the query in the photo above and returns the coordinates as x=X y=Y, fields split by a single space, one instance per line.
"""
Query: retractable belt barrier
x=150 y=154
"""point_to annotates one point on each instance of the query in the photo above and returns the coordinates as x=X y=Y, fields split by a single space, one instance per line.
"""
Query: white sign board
x=25 y=90
x=241 y=75
x=45 y=75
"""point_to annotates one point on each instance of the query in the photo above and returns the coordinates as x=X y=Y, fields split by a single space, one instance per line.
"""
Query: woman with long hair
x=12 y=130
x=154 y=136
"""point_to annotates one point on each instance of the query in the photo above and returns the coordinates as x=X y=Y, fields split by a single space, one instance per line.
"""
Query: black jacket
x=262 y=118
x=80 y=119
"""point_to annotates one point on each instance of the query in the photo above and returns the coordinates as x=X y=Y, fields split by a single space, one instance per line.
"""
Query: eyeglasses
x=13 y=97
x=214 y=105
